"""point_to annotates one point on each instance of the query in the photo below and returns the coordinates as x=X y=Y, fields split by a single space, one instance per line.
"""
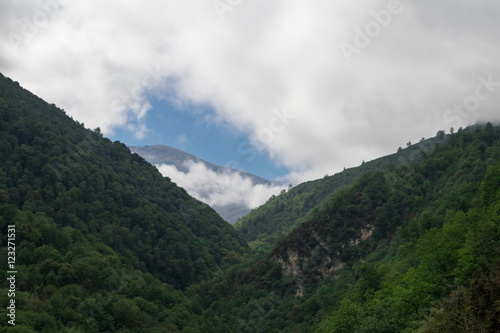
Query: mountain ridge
x=53 y=165
x=265 y=224
x=105 y=243
x=165 y=155
x=414 y=248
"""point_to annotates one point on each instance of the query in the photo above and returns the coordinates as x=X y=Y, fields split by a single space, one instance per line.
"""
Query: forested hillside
x=100 y=233
x=281 y=214
x=104 y=243
x=413 y=248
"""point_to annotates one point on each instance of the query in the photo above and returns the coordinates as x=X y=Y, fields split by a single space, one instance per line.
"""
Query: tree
x=368 y=283
x=490 y=185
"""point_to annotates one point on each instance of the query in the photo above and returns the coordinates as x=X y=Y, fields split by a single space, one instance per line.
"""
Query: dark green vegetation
x=267 y=223
x=407 y=243
x=100 y=233
x=411 y=249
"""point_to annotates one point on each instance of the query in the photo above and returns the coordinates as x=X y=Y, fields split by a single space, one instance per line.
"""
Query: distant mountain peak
x=214 y=182
x=163 y=154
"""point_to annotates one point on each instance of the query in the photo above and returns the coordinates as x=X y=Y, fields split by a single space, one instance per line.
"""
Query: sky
x=188 y=130
x=286 y=89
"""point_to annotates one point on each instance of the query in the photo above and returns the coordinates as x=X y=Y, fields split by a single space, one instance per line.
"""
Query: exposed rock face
x=297 y=266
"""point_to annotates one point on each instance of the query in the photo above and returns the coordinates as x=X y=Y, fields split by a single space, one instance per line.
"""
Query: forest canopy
x=407 y=243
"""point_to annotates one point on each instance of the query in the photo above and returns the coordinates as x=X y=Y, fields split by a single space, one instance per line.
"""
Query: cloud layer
x=219 y=189
x=356 y=80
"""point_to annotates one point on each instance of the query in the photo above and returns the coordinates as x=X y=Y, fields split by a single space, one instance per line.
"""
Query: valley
x=408 y=242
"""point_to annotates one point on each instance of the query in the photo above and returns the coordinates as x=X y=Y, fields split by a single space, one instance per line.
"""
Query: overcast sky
x=314 y=86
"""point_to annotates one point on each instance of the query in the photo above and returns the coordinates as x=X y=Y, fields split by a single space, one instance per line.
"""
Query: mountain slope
x=161 y=154
x=412 y=248
x=105 y=244
x=102 y=238
x=91 y=216
x=282 y=214
x=52 y=165
x=182 y=161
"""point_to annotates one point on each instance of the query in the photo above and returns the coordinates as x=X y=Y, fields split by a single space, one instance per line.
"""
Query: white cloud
x=219 y=189
x=100 y=61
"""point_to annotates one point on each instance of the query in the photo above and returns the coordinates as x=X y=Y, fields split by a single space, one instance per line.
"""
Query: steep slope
x=231 y=212
x=91 y=217
x=406 y=249
x=280 y=215
x=51 y=164
x=99 y=232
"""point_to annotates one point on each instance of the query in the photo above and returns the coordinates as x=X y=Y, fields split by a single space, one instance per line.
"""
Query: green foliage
x=490 y=187
x=405 y=243
x=394 y=251
x=102 y=239
x=452 y=286
x=76 y=178
x=280 y=215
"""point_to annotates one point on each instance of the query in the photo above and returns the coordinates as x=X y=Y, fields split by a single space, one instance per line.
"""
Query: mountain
x=267 y=223
x=102 y=241
x=412 y=248
x=161 y=154
x=95 y=239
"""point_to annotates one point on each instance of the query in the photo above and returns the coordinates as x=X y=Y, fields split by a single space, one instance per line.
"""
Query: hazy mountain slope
x=282 y=214
x=231 y=212
x=161 y=154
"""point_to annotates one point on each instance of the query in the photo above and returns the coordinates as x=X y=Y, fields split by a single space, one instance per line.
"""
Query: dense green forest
x=413 y=248
x=406 y=243
x=267 y=223
x=96 y=225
